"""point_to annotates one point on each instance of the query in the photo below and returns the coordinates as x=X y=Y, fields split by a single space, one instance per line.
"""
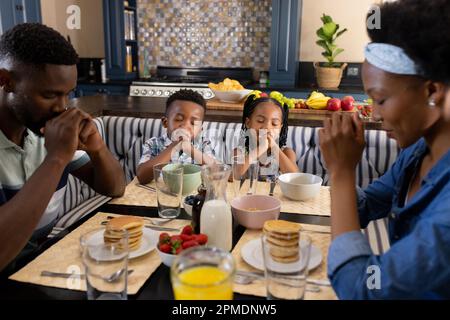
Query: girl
x=264 y=134
x=407 y=73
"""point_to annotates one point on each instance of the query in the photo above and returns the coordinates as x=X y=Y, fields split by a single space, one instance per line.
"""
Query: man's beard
x=31 y=124
x=36 y=128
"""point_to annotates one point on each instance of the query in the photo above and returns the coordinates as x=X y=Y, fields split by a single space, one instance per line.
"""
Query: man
x=41 y=140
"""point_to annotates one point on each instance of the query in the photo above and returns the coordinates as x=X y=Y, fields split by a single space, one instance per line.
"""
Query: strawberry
x=164 y=238
x=201 y=238
x=186 y=237
x=174 y=239
x=190 y=244
x=178 y=251
x=187 y=230
x=166 y=248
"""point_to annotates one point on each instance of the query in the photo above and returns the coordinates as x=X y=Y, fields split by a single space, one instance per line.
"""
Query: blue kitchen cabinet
x=285 y=42
x=121 y=46
x=13 y=12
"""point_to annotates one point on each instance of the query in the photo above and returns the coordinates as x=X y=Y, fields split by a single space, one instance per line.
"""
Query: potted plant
x=329 y=73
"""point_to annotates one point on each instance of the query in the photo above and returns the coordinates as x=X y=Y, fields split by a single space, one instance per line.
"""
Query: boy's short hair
x=186 y=95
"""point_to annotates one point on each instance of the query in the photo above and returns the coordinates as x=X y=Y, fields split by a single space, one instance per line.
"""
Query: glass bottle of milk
x=216 y=219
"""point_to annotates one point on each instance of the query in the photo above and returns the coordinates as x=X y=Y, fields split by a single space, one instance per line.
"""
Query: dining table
x=137 y=201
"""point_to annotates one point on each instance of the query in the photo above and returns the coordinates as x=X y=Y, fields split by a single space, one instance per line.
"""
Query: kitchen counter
x=302 y=91
x=105 y=83
x=122 y=106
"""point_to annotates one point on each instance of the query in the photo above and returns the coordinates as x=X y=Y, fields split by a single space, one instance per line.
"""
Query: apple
x=264 y=95
x=334 y=104
x=349 y=98
x=347 y=103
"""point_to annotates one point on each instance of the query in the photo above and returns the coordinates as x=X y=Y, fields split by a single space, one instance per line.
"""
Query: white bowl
x=300 y=186
x=167 y=259
x=232 y=95
x=254 y=210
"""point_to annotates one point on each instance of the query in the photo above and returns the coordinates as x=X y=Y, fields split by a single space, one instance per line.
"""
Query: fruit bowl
x=300 y=186
x=166 y=258
x=170 y=246
x=232 y=96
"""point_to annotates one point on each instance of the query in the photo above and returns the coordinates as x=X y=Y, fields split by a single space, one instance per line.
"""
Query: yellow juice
x=203 y=283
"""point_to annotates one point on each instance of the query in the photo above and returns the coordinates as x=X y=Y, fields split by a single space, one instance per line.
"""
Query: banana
x=316 y=95
x=317 y=101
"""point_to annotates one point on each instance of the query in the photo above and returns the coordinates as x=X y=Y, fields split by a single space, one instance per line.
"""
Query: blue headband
x=391 y=59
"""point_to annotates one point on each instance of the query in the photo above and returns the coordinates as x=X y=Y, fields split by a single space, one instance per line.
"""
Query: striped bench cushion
x=82 y=210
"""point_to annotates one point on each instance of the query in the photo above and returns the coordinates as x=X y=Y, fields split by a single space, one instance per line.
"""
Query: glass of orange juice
x=203 y=273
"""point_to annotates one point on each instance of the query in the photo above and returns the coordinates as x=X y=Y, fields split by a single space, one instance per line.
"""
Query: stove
x=168 y=80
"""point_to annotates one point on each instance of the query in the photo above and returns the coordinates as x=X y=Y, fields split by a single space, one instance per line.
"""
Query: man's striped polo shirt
x=17 y=165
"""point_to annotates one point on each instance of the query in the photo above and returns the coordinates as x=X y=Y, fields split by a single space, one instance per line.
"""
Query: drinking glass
x=169 y=187
x=244 y=181
x=203 y=273
x=106 y=264
x=286 y=265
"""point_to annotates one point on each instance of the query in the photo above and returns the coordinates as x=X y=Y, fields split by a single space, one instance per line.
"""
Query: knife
x=260 y=275
x=156 y=228
x=145 y=187
x=64 y=275
x=162 y=228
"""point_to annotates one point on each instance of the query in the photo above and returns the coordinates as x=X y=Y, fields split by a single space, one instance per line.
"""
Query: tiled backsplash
x=199 y=33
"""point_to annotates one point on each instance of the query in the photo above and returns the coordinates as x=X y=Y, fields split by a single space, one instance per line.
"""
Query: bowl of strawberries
x=171 y=246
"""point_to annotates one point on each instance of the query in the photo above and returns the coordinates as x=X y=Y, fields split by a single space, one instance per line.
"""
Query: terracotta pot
x=329 y=78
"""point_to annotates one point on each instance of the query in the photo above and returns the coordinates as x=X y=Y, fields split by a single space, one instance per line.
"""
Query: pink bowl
x=252 y=211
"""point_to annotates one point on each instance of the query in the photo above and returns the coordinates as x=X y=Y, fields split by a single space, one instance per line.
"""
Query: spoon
x=113 y=277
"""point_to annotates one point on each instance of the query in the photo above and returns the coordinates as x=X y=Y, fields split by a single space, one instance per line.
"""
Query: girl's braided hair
x=249 y=107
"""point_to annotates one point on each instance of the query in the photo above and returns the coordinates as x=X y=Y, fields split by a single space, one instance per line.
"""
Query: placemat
x=65 y=257
x=258 y=287
x=137 y=196
x=320 y=205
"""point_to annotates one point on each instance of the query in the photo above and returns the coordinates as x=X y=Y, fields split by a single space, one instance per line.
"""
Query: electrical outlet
x=353 y=71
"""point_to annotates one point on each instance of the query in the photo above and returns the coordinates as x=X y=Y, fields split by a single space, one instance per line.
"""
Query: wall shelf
x=121 y=45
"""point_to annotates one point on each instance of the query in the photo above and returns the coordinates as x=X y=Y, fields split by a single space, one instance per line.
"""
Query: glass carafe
x=216 y=219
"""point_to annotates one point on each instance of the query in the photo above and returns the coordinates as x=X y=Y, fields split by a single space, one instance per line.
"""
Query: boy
x=182 y=143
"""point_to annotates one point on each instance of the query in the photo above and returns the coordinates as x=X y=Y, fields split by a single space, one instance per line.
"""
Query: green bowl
x=192 y=178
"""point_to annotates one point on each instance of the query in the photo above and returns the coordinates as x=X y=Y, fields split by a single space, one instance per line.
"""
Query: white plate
x=150 y=240
x=251 y=252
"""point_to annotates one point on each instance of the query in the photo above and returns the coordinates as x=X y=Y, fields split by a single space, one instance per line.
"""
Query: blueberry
x=190 y=200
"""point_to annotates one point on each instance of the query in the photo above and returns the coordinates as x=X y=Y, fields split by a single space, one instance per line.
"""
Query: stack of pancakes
x=114 y=232
x=283 y=237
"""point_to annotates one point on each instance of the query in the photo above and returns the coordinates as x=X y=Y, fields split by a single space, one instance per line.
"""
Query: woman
x=408 y=86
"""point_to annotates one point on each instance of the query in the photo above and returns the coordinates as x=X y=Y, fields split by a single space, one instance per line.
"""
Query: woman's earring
x=431 y=103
